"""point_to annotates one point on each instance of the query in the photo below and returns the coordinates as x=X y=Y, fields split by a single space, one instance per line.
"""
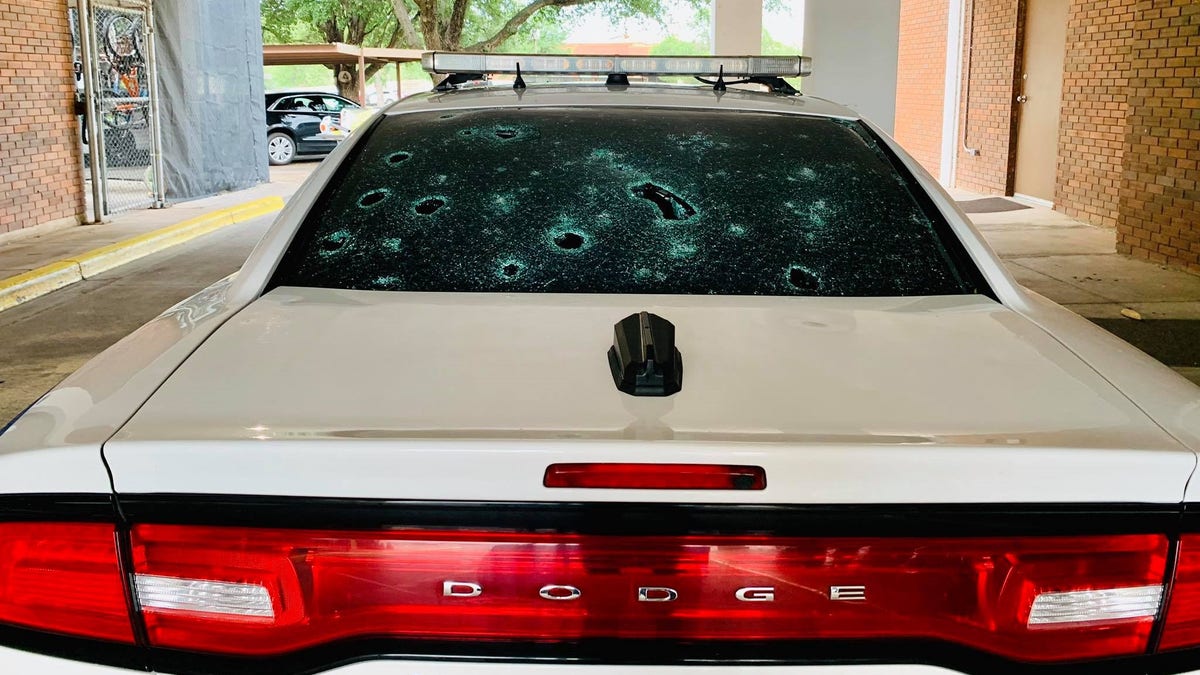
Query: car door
x=302 y=114
x=334 y=105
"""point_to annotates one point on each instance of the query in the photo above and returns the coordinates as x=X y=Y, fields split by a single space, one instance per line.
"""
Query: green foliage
x=674 y=46
x=771 y=46
x=369 y=22
x=545 y=31
x=487 y=25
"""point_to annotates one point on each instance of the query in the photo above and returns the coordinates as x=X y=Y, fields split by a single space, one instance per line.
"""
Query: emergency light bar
x=578 y=64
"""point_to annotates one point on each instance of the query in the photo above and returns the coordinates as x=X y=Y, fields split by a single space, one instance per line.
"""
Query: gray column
x=212 y=105
x=737 y=26
x=855 y=45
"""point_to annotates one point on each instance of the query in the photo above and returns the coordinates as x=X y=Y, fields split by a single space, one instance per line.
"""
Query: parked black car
x=294 y=120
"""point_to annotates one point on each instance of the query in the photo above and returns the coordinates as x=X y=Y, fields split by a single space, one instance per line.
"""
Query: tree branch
x=514 y=24
x=407 y=31
x=454 y=29
x=427 y=14
x=373 y=68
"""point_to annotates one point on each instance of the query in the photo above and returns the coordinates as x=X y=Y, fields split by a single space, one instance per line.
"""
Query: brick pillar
x=920 y=87
x=1094 y=109
x=40 y=164
x=1159 y=206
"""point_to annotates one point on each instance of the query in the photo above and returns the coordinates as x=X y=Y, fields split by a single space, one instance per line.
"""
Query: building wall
x=1159 y=210
x=1092 y=127
x=989 y=77
x=920 y=89
x=40 y=179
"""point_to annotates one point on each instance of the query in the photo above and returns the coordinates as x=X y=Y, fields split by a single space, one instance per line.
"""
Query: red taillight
x=63 y=578
x=257 y=592
x=656 y=476
x=1182 y=627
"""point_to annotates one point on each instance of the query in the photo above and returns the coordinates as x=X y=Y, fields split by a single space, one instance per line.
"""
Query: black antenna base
x=643 y=358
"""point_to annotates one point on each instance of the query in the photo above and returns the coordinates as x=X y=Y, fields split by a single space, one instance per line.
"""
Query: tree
x=444 y=25
x=370 y=23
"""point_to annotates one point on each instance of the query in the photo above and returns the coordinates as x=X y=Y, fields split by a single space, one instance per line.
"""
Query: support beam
x=952 y=98
x=362 y=79
x=855 y=46
x=737 y=26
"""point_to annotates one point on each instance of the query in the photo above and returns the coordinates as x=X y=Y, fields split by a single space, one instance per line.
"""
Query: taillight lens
x=1182 y=627
x=257 y=592
x=63 y=578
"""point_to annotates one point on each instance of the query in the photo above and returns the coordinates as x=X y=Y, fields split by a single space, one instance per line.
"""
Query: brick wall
x=988 y=116
x=1159 y=208
x=40 y=180
x=1094 y=110
x=920 y=88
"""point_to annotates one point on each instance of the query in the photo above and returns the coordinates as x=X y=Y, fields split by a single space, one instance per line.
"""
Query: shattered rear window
x=624 y=200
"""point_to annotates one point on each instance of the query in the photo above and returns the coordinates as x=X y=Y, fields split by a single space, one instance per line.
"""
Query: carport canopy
x=338 y=52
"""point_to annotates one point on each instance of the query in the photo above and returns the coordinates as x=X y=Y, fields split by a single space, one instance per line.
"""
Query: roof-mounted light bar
x=579 y=64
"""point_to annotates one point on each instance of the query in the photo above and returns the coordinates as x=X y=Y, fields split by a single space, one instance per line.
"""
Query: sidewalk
x=1076 y=265
x=23 y=255
x=33 y=266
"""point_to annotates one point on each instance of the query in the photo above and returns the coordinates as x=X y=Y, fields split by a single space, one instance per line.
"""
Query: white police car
x=609 y=378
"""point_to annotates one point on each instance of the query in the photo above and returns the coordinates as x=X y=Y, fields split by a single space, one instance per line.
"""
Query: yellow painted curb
x=34 y=283
x=31 y=284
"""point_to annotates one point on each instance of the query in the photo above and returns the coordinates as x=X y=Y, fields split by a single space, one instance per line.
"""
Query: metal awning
x=338 y=52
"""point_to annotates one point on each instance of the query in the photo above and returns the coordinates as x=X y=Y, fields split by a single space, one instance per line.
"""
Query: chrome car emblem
x=461 y=589
x=847 y=592
x=553 y=592
x=756 y=594
x=470 y=589
x=657 y=594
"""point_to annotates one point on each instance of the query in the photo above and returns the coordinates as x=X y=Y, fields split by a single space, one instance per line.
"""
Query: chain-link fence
x=116 y=50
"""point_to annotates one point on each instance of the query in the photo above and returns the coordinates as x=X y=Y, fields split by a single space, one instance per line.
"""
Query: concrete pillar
x=737 y=26
x=854 y=45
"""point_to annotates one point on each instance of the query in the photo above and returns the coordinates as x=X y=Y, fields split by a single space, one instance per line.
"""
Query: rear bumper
x=25 y=663
x=17 y=662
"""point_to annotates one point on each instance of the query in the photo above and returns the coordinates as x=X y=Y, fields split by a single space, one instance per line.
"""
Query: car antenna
x=719 y=85
x=519 y=83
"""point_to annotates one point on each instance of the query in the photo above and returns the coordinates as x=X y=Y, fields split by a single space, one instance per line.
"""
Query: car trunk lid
x=426 y=395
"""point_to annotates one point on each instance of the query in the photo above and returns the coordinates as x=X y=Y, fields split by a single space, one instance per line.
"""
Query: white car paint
x=55 y=445
x=941 y=399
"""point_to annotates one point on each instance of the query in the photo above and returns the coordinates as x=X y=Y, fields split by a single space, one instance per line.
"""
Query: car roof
x=598 y=94
x=281 y=94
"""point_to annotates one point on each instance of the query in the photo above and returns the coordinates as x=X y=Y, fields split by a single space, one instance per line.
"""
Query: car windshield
x=625 y=200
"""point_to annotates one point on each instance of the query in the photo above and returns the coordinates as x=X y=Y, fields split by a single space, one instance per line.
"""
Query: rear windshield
x=624 y=200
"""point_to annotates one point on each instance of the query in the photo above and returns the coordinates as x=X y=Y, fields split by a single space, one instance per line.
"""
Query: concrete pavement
x=1076 y=265
x=46 y=339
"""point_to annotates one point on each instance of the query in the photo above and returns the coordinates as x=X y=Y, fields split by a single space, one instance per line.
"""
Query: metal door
x=121 y=139
x=1040 y=100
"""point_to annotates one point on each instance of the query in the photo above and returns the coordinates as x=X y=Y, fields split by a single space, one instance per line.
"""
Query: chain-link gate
x=120 y=130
